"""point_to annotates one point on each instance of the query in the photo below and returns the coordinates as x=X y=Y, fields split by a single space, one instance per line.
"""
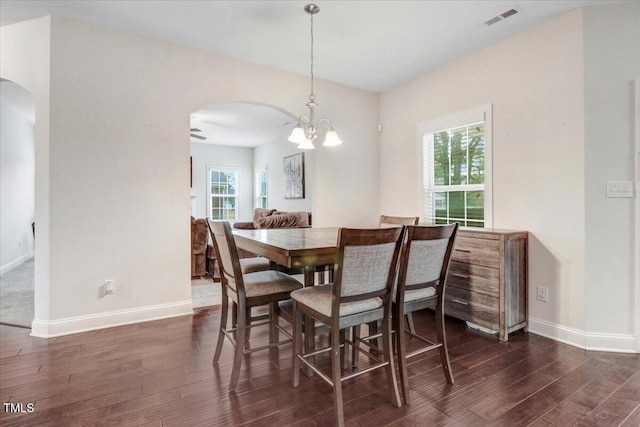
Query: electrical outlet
x=109 y=286
x=543 y=294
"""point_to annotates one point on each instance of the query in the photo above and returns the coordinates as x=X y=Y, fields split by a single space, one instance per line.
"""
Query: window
x=223 y=192
x=261 y=188
x=456 y=169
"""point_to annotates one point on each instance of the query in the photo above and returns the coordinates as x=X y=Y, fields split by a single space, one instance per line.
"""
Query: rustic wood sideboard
x=487 y=281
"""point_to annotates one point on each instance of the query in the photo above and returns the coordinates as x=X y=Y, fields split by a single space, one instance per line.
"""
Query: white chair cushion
x=319 y=297
x=268 y=283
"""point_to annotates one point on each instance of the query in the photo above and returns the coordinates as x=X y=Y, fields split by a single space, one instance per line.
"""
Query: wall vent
x=502 y=16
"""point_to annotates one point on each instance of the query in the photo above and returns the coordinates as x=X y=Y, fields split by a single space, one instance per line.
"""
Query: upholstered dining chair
x=422 y=280
x=395 y=221
x=246 y=291
x=361 y=293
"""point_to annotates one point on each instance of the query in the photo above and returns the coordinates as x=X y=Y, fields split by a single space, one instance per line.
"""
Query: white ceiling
x=373 y=45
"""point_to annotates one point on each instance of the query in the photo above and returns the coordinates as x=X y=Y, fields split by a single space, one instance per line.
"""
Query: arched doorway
x=235 y=146
x=17 y=204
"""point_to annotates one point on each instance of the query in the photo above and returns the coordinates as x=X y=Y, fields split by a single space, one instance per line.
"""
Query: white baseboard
x=618 y=343
x=74 y=325
x=16 y=262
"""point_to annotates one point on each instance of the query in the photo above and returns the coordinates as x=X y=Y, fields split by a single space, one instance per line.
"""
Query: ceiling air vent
x=502 y=16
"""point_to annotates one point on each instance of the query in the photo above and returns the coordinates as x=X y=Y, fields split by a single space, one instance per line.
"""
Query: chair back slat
x=227 y=254
x=395 y=221
x=366 y=264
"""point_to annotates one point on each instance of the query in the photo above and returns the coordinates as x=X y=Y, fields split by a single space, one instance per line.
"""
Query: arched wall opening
x=17 y=204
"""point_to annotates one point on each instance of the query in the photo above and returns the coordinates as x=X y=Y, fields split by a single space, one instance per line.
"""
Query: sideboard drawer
x=472 y=306
x=475 y=278
x=477 y=251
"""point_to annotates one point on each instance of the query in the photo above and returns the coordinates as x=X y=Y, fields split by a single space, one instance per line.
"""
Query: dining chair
x=422 y=279
x=395 y=221
x=385 y=221
x=246 y=291
x=361 y=292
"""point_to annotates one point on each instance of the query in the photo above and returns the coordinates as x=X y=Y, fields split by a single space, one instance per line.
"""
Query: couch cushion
x=284 y=220
x=259 y=213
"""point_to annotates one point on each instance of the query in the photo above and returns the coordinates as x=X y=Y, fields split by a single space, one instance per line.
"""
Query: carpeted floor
x=205 y=293
x=16 y=295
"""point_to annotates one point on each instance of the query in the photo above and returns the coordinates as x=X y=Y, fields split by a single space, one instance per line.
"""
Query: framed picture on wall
x=294 y=176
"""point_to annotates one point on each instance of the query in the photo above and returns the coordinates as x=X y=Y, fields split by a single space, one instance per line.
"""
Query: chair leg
x=239 y=348
x=401 y=351
x=344 y=354
x=388 y=355
x=410 y=324
x=355 y=355
x=224 y=313
x=442 y=339
x=297 y=344
x=336 y=374
x=273 y=322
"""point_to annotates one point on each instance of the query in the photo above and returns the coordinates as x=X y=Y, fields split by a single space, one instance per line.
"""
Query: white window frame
x=257 y=187
x=232 y=169
x=481 y=113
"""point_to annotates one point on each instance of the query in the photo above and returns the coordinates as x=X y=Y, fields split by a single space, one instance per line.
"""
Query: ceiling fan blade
x=198 y=136
x=195 y=130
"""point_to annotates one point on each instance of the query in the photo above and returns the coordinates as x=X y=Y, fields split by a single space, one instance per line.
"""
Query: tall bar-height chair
x=395 y=221
x=246 y=291
x=422 y=280
x=361 y=293
x=385 y=221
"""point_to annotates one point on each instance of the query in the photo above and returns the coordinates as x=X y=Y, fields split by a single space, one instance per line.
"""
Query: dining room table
x=304 y=249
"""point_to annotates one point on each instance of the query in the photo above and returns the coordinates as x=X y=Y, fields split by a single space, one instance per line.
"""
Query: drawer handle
x=459 y=301
x=463 y=250
x=461 y=276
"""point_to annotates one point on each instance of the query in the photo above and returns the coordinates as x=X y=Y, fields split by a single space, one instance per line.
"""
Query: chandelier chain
x=312 y=97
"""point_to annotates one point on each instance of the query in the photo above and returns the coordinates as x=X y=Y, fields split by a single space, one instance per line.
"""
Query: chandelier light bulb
x=331 y=140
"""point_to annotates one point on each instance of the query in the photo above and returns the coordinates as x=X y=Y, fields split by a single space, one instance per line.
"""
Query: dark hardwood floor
x=160 y=374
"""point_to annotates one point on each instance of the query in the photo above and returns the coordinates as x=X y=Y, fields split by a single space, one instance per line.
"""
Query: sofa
x=199 y=240
x=273 y=218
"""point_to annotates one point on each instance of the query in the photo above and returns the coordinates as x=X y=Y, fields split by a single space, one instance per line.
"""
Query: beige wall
x=119 y=160
x=534 y=82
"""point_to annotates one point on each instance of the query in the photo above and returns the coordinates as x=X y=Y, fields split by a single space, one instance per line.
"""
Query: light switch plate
x=620 y=189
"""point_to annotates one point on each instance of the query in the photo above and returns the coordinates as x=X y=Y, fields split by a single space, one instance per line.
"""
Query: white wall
x=17 y=187
x=217 y=155
x=612 y=62
x=534 y=81
x=119 y=162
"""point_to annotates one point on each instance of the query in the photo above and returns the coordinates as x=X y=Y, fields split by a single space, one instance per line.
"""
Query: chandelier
x=306 y=132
